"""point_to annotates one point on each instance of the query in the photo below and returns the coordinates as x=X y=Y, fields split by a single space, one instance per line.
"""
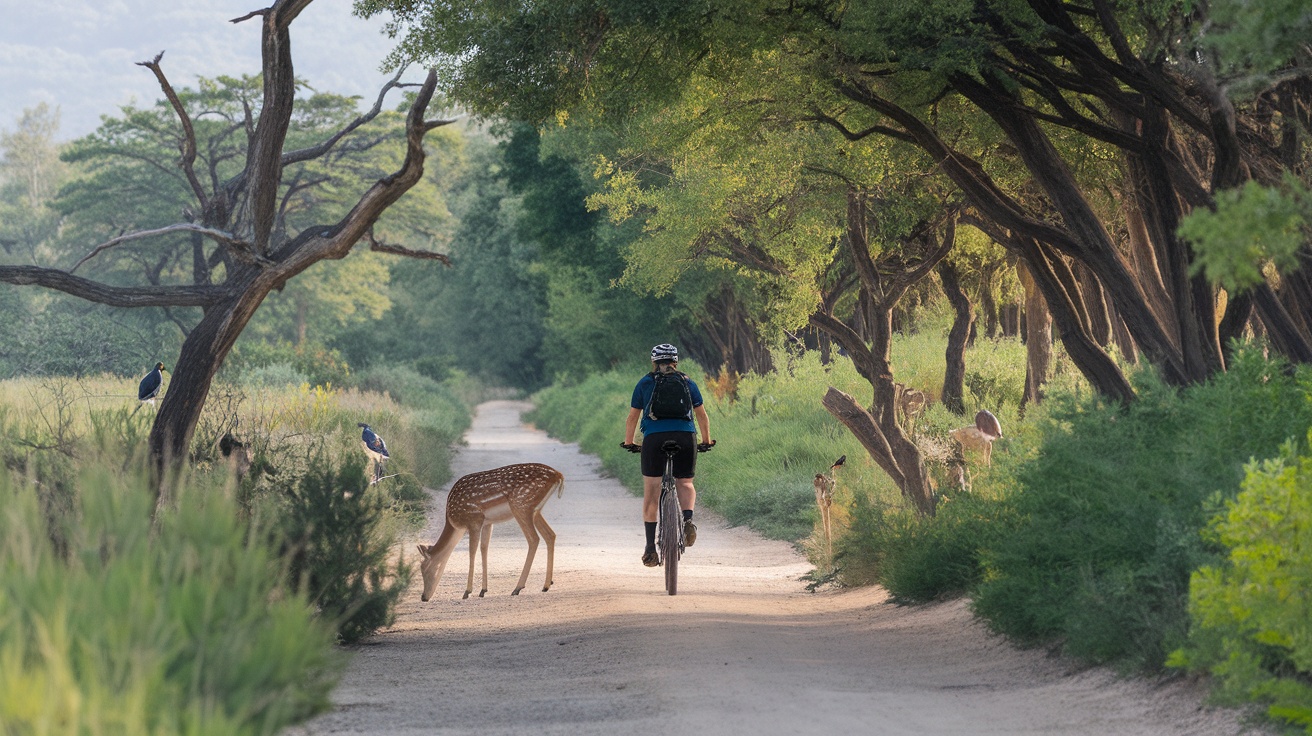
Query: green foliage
x=1252 y=225
x=919 y=559
x=317 y=363
x=1107 y=503
x=30 y=174
x=333 y=523
x=1251 y=613
x=1257 y=37
x=181 y=626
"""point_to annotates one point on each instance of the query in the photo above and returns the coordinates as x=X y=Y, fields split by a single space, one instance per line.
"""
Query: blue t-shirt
x=642 y=395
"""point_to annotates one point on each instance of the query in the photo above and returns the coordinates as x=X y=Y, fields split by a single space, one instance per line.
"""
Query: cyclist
x=656 y=430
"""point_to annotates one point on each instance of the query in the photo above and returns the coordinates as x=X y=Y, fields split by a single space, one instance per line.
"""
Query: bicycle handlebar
x=701 y=447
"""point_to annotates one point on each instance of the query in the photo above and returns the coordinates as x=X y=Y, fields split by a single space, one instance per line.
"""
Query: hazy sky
x=81 y=54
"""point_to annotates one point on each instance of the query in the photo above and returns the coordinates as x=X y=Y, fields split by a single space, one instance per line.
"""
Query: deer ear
x=422 y=550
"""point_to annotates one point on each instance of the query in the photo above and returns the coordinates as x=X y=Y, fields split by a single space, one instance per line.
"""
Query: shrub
x=332 y=524
x=185 y=626
x=1107 y=503
x=1251 y=613
x=919 y=559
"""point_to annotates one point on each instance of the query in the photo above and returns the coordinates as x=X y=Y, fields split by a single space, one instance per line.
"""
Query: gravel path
x=743 y=648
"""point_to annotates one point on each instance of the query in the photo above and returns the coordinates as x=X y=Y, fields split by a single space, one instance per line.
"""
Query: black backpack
x=670 y=398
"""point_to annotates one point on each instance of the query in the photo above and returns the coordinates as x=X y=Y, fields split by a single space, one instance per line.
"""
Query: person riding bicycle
x=665 y=404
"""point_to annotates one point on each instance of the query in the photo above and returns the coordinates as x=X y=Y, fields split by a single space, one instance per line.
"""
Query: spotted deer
x=910 y=403
x=479 y=500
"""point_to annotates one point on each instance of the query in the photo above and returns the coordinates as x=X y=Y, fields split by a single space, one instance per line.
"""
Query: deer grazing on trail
x=824 y=498
x=479 y=500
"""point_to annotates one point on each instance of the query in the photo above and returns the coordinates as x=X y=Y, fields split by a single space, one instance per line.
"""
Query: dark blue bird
x=149 y=387
x=375 y=448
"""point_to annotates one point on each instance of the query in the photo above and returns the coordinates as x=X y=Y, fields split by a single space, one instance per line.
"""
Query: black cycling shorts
x=653 y=457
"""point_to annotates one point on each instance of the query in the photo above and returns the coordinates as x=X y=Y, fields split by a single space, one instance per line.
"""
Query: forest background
x=1091 y=221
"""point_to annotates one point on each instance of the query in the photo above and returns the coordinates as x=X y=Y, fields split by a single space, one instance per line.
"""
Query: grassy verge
x=109 y=624
x=221 y=617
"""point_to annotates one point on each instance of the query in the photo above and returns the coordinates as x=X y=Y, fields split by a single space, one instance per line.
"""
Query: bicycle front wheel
x=671 y=538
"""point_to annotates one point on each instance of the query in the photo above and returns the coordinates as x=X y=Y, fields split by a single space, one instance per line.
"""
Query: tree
x=237 y=219
x=1113 y=112
x=30 y=174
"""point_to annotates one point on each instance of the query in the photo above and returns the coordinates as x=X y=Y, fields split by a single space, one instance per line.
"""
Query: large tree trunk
x=989 y=306
x=203 y=352
x=954 y=377
x=1038 y=338
x=906 y=469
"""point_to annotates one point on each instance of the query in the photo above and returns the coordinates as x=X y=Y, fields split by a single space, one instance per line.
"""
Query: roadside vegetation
x=218 y=610
x=1085 y=532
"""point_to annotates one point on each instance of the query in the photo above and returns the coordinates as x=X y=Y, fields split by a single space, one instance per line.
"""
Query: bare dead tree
x=237 y=219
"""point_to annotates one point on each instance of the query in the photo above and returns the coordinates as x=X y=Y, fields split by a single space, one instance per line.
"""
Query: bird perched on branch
x=375 y=448
x=150 y=385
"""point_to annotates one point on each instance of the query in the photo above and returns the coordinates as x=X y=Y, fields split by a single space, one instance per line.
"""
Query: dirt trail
x=742 y=649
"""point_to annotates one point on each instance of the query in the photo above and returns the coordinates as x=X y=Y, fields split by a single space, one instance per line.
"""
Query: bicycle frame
x=670 y=529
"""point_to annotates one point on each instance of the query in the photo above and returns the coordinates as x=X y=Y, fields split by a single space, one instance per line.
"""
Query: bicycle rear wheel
x=671 y=536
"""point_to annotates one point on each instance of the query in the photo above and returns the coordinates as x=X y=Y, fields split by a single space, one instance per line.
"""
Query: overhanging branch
x=114 y=296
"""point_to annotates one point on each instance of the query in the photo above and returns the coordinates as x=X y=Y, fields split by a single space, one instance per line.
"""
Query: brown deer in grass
x=479 y=500
x=824 y=498
x=981 y=436
x=911 y=403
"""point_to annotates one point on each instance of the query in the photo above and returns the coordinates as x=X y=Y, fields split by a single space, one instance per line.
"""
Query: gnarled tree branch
x=114 y=296
x=188 y=160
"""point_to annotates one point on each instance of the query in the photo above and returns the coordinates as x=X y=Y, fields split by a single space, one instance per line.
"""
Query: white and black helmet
x=664 y=351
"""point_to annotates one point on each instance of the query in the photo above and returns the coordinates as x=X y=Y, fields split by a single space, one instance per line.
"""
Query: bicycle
x=669 y=530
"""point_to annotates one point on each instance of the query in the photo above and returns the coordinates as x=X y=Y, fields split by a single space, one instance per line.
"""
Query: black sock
x=687 y=514
x=651 y=533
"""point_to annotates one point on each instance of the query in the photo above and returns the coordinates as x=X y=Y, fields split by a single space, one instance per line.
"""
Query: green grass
x=221 y=617
x=124 y=627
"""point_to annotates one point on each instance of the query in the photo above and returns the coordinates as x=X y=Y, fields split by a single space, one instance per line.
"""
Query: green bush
x=1252 y=620
x=919 y=559
x=320 y=365
x=184 y=626
x=1107 y=502
x=333 y=525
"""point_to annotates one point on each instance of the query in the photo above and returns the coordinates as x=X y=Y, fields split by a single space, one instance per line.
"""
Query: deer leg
x=525 y=519
x=549 y=535
x=475 y=535
x=487 y=537
x=824 y=512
